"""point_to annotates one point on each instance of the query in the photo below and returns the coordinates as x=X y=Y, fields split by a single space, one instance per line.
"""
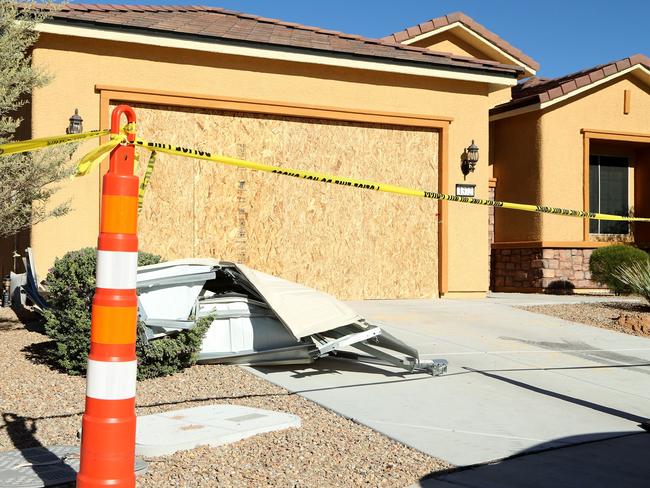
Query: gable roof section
x=458 y=19
x=539 y=93
x=219 y=25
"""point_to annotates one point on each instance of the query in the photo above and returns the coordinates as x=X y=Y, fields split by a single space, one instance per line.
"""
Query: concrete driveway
x=517 y=383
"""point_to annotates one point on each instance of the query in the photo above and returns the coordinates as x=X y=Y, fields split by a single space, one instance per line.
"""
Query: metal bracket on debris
x=347 y=340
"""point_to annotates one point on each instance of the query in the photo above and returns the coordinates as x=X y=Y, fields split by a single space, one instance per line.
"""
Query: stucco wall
x=498 y=97
x=449 y=42
x=78 y=65
x=515 y=156
x=538 y=157
x=562 y=145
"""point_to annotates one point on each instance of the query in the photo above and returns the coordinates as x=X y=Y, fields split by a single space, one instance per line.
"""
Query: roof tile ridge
x=447 y=55
x=392 y=47
x=640 y=58
x=585 y=71
x=469 y=22
x=562 y=85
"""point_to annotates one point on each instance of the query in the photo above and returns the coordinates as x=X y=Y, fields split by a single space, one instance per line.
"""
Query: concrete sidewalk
x=517 y=381
x=530 y=299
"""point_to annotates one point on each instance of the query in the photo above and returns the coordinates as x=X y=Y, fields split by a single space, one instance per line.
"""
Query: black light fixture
x=470 y=158
x=76 y=123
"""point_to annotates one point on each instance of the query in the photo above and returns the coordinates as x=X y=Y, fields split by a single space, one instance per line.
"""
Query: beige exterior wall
x=449 y=42
x=552 y=141
x=78 y=65
x=562 y=146
x=515 y=145
x=497 y=97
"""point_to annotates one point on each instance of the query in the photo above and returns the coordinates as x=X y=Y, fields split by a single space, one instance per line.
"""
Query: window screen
x=608 y=192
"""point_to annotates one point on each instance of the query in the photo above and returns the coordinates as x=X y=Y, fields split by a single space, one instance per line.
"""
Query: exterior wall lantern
x=76 y=123
x=469 y=159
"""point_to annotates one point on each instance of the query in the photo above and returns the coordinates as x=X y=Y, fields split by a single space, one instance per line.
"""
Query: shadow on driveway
x=620 y=460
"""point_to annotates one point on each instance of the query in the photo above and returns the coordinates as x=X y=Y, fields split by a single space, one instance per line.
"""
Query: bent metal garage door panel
x=354 y=244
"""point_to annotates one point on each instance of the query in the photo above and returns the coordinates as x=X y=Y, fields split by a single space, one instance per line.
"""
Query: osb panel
x=351 y=243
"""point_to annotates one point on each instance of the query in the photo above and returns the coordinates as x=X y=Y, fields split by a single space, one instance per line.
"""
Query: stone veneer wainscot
x=536 y=269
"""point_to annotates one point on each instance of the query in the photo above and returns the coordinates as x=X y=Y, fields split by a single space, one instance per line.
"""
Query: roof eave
x=478 y=31
x=541 y=102
x=501 y=76
x=529 y=69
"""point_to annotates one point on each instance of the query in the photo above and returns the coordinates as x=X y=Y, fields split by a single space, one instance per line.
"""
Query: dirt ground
x=41 y=406
x=624 y=316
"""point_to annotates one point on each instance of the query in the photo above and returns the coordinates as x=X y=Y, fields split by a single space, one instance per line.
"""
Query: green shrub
x=636 y=277
x=71 y=286
x=168 y=355
x=606 y=260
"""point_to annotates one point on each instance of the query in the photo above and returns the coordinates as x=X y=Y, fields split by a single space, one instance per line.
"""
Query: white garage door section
x=351 y=243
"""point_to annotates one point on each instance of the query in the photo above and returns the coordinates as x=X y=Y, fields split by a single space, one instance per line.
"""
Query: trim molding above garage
x=271 y=107
x=110 y=94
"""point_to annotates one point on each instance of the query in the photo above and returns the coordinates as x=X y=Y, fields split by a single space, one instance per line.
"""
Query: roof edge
x=559 y=89
x=469 y=72
x=432 y=25
x=289 y=34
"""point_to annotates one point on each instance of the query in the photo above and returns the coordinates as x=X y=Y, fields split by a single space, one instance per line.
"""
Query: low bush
x=636 y=277
x=171 y=354
x=71 y=286
x=605 y=261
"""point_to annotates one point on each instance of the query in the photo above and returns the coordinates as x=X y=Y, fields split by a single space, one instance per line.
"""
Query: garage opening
x=353 y=244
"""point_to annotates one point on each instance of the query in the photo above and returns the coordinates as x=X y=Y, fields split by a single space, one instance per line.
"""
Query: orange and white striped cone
x=108 y=426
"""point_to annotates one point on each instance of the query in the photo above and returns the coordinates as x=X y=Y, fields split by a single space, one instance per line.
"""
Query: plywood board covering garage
x=351 y=243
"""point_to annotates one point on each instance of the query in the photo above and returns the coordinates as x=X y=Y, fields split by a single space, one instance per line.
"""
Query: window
x=608 y=192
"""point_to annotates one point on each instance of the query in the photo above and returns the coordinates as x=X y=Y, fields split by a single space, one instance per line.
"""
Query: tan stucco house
x=402 y=109
x=287 y=94
x=579 y=141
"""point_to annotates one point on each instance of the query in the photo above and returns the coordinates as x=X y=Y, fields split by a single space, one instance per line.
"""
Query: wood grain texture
x=354 y=244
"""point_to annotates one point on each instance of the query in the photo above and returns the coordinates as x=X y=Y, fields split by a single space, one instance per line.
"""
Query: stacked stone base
x=550 y=270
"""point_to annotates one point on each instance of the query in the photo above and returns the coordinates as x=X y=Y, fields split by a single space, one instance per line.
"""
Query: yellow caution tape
x=129 y=128
x=43 y=142
x=94 y=157
x=371 y=185
x=145 y=179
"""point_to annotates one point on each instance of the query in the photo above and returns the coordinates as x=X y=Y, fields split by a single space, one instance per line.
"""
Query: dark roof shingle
x=213 y=22
x=445 y=20
x=539 y=90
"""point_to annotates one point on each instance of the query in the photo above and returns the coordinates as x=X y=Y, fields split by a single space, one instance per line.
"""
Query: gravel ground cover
x=41 y=406
x=615 y=315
